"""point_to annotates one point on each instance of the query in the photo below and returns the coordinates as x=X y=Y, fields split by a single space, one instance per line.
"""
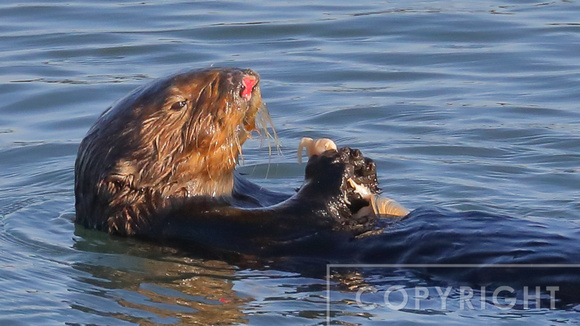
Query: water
x=465 y=106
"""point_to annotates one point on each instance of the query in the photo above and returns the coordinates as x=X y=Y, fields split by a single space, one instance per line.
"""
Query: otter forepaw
x=359 y=200
x=359 y=180
x=362 y=190
x=362 y=185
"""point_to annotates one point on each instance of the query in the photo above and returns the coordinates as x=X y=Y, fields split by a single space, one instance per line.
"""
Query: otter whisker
x=264 y=120
x=239 y=146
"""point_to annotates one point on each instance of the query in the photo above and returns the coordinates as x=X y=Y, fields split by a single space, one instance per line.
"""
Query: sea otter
x=160 y=163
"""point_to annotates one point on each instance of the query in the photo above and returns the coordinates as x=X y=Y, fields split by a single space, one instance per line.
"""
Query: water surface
x=465 y=106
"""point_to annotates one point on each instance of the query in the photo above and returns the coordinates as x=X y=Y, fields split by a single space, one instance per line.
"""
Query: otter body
x=160 y=163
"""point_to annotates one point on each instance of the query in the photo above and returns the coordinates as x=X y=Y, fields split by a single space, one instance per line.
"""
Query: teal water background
x=470 y=105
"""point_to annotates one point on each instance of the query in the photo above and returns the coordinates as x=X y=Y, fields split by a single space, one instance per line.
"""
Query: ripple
x=464 y=105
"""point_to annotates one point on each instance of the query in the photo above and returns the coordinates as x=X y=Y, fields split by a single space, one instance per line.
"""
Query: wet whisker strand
x=264 y=120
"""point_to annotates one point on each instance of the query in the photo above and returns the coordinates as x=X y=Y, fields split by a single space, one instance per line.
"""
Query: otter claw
x=379 y=205
x=314 y=147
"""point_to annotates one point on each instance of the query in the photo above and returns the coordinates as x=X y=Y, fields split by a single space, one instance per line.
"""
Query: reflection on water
x=163 y=290
x=468 y=106
x=152 y=284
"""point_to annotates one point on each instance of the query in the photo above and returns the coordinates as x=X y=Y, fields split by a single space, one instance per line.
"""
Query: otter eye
x=178 y=105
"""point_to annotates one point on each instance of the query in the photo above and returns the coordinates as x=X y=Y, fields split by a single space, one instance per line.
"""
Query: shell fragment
x=314 y=147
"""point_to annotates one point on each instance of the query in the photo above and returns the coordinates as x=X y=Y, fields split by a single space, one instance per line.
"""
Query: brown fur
x=147 y=149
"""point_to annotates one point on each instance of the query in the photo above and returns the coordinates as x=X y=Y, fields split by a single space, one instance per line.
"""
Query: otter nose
x=248 y=83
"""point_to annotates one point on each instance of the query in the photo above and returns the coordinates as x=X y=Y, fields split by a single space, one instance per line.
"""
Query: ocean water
x=465 y=106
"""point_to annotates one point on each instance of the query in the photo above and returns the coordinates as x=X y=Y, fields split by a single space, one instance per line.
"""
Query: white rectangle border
x=330 y=266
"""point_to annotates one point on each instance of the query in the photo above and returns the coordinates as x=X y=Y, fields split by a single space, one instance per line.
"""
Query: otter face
x=190 y=142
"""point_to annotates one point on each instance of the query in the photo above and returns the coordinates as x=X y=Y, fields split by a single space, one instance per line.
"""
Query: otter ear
x=180 y=105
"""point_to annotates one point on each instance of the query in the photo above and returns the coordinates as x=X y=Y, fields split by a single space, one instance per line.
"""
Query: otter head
x=178 y=136
x=191 y=137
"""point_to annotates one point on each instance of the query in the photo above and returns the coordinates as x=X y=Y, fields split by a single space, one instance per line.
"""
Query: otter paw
x=361 y=189
x=344 y=179
x=351 y=183
x=359 y=180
